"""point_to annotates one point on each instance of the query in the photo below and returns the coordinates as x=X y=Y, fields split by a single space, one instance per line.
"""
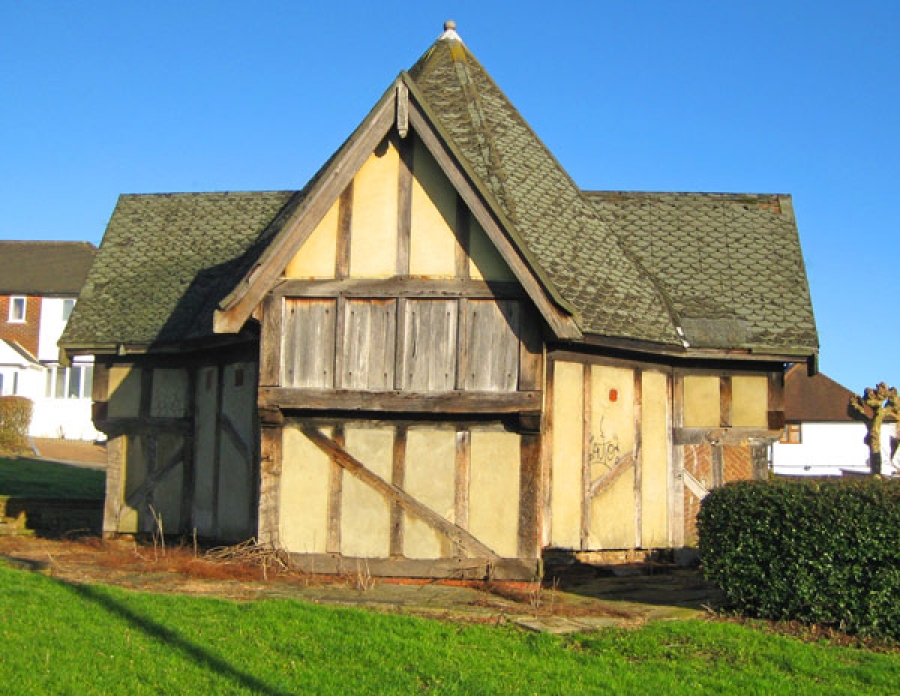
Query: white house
x=39 y=284
x=820 y=436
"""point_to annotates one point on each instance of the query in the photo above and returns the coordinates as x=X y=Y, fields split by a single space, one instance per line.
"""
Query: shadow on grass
x=199 y=655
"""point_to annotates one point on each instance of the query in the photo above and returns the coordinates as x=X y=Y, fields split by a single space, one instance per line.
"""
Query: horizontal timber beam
x=398 y=287
x=401 y=401
x=722 y=436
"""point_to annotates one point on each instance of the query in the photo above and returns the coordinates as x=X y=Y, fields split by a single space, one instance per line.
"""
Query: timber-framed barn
x=441 y=357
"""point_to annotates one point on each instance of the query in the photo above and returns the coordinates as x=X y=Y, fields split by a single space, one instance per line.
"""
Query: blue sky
x=102 y=98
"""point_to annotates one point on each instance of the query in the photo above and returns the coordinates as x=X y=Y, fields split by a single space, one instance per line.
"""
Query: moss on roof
x=730 y=262
x=165 y=262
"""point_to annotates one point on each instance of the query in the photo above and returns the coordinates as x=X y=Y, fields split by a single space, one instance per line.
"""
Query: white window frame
x=13 y=301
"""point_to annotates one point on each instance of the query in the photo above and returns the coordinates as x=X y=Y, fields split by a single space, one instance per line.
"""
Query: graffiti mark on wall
x=603 y=451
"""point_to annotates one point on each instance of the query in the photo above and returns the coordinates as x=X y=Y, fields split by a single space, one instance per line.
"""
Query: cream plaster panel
x=485 y=262
x=204 y=453
x=750 y=401
x=566 y=485
x=611 y=439
x=169 y=396
x=429 y=477
x=365 y=513
x=316 y=258
x=373 y=224
x=124 y=392
x=432 y=249
x=612 y=515
x=494 y=490
x=239 y=397
x=235 y=487
x=612 y=417
x=654 y=460
x=304 y=493
x=133 y=476
x=702 y=402
x=167 y=494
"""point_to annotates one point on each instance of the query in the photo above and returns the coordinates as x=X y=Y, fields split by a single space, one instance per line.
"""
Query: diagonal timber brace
x=404 y=500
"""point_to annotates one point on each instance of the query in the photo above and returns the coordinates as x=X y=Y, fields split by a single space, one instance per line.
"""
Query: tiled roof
x=731 y=264
x=44 y=268
x=165 y=262
x=814 y=399
x=563 y=232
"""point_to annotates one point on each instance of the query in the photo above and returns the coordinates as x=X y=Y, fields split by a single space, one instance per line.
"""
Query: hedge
x=15 y=418
x=821 y=552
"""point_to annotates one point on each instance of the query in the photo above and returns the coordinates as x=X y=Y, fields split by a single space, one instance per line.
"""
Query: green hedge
x=822 y=552
x=15 y=418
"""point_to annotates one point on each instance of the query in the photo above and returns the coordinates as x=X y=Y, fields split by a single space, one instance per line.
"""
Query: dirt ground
x=72 y=452
x=587 y=601
x=577 y=598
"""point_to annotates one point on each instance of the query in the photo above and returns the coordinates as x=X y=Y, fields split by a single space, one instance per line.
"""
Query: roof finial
x=450 y=31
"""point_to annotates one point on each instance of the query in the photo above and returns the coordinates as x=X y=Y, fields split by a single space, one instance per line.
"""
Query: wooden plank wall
x=410 y=344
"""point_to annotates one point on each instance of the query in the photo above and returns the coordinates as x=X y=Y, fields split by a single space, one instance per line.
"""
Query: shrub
x=822 y=552
x=15 y=418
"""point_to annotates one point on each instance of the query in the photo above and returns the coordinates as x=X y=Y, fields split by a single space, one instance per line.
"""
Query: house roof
x=731 y=264
x=814 y=399
x=44 y=268
x=12 y=353
x=165 y=262
x=597 y=255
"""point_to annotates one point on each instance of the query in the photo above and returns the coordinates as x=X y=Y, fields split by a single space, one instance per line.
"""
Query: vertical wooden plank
x=461 y=482
x=530 y=350
x=462 y=239
x=676 y=470
x=586 y=457
x=725 y=401
x=369 y=343
x=718 y=466
x=345 y=221
x=402 y=321
x=270 y=342
x=340 y=310
x=397 y=478
x=529 y=543
x=547 y=457
x=638 y=456
x=309 y=351
x=271 y=451
x=492 y=345
x=429 y=345
x=462 y=345
x=335 y=497
x=404 y=205
x=115 y=485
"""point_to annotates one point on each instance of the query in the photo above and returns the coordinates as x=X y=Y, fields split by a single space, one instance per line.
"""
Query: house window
x=17 y=307
x=791 y=434
x=67 y=309
x=73 y=382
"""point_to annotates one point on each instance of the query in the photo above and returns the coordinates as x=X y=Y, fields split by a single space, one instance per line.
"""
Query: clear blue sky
x=102 y=98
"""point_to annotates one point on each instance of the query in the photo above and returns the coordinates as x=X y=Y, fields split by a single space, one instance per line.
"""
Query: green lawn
x=66 y=639
x=31 y=478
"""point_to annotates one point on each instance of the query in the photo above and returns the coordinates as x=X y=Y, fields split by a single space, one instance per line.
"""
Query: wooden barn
x=441 y=357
